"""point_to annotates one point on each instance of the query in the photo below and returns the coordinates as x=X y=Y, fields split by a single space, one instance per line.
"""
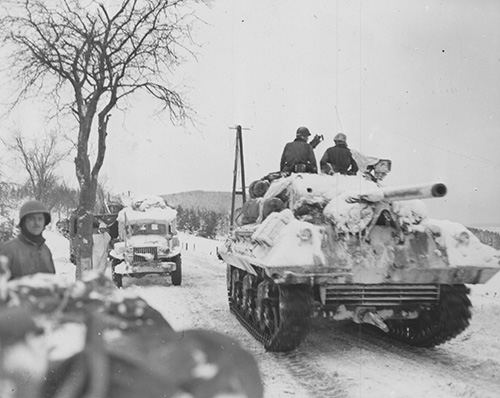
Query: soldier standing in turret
x=298 y=155
x=338 y=158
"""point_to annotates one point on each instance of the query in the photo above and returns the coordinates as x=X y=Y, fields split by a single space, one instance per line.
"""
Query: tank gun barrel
x=436 y=190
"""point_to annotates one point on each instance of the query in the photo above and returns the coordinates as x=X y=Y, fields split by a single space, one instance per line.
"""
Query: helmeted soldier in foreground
x=28 y=253
x=338 y=159
x=298 y=155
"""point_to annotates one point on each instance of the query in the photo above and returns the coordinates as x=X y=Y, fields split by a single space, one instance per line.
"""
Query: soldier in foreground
x=338 y=159
x=27 y=253
x=298 y=155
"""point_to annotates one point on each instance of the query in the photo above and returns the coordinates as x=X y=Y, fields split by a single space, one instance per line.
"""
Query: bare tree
x=102 y=54
x=64 y=199
x=39 y=158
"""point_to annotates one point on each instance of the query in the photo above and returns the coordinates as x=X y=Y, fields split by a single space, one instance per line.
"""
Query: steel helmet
x=341 y=137
x=303 y=132
x=32 y=207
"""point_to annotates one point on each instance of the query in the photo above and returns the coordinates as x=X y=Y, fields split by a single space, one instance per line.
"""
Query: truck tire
x=117 y=278
x=177 y=274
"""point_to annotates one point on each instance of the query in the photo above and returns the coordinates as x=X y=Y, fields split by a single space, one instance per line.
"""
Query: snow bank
x=59 y=247
x=197 y=244
x=58 y=244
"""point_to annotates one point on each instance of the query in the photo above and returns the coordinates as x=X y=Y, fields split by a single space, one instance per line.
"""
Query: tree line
x=489 y=238
x=201 y=222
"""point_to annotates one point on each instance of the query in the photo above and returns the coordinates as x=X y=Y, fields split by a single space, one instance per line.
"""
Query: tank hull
x=279 y=314
x=343 y=249
x=325 y=275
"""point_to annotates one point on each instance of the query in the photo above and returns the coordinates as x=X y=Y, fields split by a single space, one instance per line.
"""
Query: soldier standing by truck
x=298 y=155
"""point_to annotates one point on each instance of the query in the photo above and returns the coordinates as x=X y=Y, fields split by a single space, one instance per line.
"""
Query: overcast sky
x=414 y=81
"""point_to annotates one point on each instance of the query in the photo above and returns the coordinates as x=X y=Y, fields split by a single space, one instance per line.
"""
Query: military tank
x=346 y=248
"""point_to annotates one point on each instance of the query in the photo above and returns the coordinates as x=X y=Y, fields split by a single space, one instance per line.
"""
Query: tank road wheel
x=229 y=284
x=436 y=325
x=234 y=286
x=285 y=316
x=176 y=275
x=269 y=323
x=276 y=315
x=249 y=285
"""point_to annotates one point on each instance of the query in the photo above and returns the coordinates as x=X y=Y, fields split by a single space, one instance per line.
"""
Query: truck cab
x=147 y=244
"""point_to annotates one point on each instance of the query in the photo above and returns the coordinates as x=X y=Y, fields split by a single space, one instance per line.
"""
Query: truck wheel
x=117 y=278
x=177 y=274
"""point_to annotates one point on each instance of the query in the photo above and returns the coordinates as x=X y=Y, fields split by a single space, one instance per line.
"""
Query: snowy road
x=338 y=360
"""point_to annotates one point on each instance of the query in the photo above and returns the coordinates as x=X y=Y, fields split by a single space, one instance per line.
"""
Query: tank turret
x=344 y=247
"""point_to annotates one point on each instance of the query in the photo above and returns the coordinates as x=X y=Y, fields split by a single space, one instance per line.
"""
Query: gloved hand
x=316 y=140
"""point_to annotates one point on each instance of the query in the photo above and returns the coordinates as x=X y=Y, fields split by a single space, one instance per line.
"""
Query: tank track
x=437 y=325
x=292 y=307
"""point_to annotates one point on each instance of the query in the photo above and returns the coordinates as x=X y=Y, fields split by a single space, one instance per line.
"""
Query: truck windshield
x=148 y=229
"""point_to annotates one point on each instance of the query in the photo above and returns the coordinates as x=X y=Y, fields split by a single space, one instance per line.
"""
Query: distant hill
x=209 y=200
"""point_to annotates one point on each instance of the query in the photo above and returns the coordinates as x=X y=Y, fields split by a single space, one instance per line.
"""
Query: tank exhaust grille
x=388 y=295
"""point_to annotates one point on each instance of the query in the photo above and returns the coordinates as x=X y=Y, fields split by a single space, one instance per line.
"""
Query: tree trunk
x=83 y=238
x=87 y=179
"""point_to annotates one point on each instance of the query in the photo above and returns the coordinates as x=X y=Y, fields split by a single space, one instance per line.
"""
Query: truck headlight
x=174 y=242
x=163 y=250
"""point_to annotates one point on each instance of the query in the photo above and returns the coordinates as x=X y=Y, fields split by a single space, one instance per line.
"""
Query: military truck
x=346 y=248
x=147 y=242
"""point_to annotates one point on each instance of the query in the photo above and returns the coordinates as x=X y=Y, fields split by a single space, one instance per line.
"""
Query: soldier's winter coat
x=340 y=159
x=27 y=257
x=298 y=152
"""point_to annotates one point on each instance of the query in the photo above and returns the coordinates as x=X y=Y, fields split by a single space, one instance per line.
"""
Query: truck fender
x=115 y=254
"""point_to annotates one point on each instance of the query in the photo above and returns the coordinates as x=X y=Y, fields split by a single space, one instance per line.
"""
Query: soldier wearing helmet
x=27 y=253
x=298 y=155
x=338 y=159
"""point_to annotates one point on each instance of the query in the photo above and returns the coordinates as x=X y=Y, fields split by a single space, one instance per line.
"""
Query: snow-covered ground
x=336 y=360
x=59 y=246
x=198 y=245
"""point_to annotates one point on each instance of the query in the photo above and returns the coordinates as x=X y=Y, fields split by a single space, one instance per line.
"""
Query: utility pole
x=238 y=162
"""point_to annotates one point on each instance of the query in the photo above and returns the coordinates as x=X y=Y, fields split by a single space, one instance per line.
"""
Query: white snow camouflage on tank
x=283 y=241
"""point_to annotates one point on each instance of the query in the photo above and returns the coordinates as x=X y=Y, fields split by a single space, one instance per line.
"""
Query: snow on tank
x=290 y=240
x=346 y=247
